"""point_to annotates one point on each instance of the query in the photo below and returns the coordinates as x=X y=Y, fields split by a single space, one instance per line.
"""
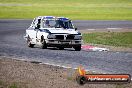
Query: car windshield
x=58 y=24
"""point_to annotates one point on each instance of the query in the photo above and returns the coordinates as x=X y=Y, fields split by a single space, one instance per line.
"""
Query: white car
x=50 y=31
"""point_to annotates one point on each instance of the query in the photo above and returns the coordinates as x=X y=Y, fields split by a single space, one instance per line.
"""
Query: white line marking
x=90 y=29
x=113 y=28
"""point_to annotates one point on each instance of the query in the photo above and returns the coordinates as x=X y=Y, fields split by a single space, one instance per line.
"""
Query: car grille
x=59 y=36
x=69 y=37
x=65 y=37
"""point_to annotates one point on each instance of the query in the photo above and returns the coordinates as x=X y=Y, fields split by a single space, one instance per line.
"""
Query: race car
x=51 y=31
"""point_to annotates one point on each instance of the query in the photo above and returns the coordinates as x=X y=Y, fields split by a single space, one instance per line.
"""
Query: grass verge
x=122 y=39
x=74 y=9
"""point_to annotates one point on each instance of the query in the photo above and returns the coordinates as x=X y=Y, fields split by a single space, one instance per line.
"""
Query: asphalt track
x=12 y=44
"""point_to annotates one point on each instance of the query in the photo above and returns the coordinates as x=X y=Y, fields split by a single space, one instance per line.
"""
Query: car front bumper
x=64 y=43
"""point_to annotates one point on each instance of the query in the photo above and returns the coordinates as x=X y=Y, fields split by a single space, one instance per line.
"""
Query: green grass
x=123 y=39
x=74 y=9
x=6 y=85
x=13 y=86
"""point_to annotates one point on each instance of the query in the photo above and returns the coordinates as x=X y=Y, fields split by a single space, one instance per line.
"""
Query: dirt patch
x=24 y=74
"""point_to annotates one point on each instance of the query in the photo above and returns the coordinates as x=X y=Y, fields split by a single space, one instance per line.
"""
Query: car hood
x=62 y=31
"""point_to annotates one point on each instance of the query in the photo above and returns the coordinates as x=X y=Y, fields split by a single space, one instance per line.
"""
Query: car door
x=33 y=31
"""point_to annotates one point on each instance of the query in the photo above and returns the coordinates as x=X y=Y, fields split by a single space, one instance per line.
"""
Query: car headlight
x=79 y=33
x=51 y=36
x=78 y=37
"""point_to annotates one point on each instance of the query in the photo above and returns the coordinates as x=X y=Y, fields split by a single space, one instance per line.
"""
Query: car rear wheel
x=29 y=42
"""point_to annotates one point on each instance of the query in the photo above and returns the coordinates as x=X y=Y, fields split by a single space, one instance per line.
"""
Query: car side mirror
x=75 y=29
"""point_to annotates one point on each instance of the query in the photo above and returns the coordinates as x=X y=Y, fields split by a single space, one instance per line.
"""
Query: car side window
x=38 y=23
x=33 y=23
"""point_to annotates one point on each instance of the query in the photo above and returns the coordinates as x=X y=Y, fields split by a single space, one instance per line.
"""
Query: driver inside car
x=47 y=23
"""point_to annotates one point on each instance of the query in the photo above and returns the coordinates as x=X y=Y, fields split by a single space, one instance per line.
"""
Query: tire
x=61 y=48
x=81 y=80
x=43 y=43
x=77 y=48
x=29 y=42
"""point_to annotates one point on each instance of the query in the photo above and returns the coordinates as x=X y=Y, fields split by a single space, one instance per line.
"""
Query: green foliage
x=6 y=85
x=1 y=82
x=13 y=86
x=123 y=39
x=75 y=9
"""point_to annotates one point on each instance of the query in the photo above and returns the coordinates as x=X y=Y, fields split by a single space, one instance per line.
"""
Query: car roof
x=53 y=17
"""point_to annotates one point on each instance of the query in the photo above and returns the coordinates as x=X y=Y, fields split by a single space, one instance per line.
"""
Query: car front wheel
x=43 y=43
x=61 y=48
x=77 y=48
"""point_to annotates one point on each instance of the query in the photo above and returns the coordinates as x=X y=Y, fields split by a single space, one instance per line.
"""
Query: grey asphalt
x=12 y=44
x=100 y=24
